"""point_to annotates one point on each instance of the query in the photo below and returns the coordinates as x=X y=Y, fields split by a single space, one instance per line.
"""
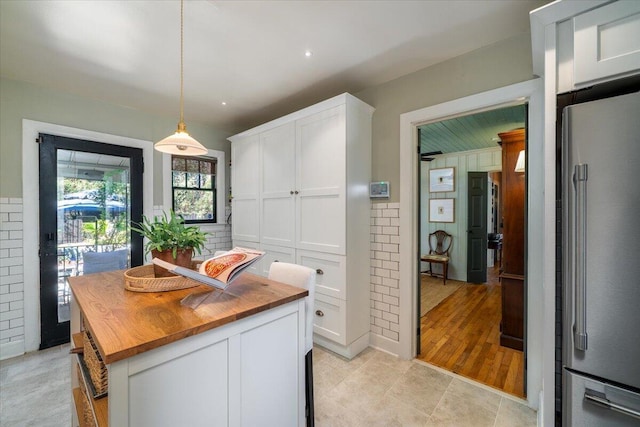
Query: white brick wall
x=11 y=271
x=218 y=238
x=385 y=270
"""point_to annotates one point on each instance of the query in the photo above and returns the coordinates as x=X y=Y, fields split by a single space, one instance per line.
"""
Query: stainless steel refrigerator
x=601 y=262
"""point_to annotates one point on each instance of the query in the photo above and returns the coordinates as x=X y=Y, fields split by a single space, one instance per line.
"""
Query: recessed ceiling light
x=308 y=53
x=224 y=103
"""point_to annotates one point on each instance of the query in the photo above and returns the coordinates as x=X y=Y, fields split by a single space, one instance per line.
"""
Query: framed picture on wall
x=441 y=180
x=441 y=210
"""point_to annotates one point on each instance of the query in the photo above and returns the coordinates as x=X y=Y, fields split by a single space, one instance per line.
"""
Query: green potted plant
x=171 y=240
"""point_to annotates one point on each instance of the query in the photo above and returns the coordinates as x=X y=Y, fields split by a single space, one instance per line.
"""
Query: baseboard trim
x=385 y=344
x=11 y=349
x=350 y=351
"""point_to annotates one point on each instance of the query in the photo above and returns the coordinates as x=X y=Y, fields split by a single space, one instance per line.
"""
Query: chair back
x=96 y=262
x=440 y=242
x=301 y=277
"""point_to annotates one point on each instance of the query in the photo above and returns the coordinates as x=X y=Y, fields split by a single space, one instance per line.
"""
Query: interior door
x=89 y=194
x=477 y=227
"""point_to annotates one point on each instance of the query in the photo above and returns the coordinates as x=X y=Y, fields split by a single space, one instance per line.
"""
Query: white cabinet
x=231 y=371
x=302 y=185
x=275 y=254
x=599 y=45
x=245 y=189
x=321 y=142
x=278 y=185
x=607 y=41
x=225 y=376
x=313 y=170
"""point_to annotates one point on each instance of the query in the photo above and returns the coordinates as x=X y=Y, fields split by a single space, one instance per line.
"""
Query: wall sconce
x=520 y=162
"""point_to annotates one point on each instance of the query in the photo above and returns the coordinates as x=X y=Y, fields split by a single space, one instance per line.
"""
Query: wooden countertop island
x=169 y=364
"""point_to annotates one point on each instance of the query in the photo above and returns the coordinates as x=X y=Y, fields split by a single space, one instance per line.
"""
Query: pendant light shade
x=181 y=142
x=520 y=162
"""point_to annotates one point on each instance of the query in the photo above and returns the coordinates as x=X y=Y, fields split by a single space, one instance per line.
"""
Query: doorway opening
x=90 y=193
x=473 y=323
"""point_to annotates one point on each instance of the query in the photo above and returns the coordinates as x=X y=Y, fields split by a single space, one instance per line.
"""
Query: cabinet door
x=157 y=395
x=321 y=174
x=277 y=196
x=607 y=41
x=245 y=224
x=270 y=370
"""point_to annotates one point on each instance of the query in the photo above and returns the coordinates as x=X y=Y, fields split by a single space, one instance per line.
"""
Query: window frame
x=167 y=173
x=213 y=190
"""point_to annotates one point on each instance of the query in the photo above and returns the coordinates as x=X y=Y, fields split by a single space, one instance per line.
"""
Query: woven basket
x=97 y=369
x=142 y=279
x=87 y=413
x=85 y=404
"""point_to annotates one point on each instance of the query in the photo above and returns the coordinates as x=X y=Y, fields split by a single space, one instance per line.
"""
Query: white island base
x=249 y=372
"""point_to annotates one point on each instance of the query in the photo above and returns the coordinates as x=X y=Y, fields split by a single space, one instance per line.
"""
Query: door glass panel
x=93 y=215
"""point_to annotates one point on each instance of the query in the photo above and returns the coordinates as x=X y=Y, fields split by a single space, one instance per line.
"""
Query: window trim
x=167 y=188
x=213 y=190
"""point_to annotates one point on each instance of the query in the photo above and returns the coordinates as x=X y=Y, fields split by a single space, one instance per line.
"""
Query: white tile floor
x=373 y=389
x=377 y=389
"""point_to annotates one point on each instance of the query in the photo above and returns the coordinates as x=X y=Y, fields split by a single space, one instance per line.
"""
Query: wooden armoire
x=513 y=230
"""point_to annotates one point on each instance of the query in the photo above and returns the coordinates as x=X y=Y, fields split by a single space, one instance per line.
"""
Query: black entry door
x=477 y=228
x=89 y=194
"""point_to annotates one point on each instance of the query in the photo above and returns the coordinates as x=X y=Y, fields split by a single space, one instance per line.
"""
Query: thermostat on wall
x=379 y=190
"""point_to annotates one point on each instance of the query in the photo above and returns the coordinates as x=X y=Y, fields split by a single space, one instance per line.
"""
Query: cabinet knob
x=318 y=271
x=319 y=313
x=291 y=192
x=296 y=191
x=275 y=260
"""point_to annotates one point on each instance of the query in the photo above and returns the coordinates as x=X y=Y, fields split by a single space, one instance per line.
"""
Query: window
x=193 y=184
x=217 y=181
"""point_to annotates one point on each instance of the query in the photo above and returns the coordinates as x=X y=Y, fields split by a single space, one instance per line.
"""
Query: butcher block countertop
x=125 y=323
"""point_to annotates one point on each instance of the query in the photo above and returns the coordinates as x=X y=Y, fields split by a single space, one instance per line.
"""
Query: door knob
x=319 y=313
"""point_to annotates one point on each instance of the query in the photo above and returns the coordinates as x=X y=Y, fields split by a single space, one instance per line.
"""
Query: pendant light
x=181 y=142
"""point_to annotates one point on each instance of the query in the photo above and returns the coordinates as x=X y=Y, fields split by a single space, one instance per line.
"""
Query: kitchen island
x=237 y=359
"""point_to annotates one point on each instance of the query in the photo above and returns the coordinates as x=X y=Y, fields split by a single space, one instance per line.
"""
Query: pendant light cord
x=181 y=61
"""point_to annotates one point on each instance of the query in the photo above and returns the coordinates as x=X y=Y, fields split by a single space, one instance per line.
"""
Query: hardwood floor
x=462 y=335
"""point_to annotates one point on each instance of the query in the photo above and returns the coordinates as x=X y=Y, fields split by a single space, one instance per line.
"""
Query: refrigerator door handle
x=580 y=273
x=600 y=399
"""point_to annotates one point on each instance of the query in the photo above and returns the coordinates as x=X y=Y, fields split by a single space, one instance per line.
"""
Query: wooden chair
x=439 y=245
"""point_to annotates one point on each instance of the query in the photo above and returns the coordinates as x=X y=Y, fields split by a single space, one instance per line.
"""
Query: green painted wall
x=19 y=100
x=501 y=64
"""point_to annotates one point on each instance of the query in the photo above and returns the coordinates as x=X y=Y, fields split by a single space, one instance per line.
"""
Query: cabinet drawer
x=331 y=274
x=273 y=254
x=329 y=319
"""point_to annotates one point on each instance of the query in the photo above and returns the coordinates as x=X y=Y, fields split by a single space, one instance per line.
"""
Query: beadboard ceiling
x=249 y=54
x=471 y=132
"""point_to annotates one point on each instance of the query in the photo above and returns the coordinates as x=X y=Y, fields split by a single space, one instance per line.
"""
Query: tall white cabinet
x=300 y=193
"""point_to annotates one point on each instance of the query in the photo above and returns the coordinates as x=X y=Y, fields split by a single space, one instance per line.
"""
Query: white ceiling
x=249 y=54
